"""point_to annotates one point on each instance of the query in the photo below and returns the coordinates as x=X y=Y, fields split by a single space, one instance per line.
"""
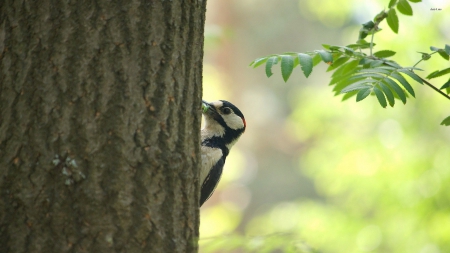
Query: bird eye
x=226 y=110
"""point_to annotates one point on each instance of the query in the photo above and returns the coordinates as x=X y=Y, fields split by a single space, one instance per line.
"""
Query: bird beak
x=209 y=110
x=205 y=106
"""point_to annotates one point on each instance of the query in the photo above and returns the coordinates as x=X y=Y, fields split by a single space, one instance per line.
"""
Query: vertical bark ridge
x=99 y=129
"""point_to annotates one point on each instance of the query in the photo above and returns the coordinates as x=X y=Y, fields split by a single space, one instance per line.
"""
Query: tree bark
x=100 y=125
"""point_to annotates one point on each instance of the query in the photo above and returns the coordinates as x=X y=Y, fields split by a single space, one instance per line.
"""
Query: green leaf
x=345 y=68
x=392 y=3
x=384 y=53
x=438 y=73
x=296 y=61
x=363 y=33
x=349 y=95
x=443 y=54
x=413 y=68
x=358 y=85
x=326 y=56
x=342 y=78
x=415 y=1
x=393 y=85
x=363 y=44
x=392 y=20
x=336 y=49
x=362 y=94
x=376 y=70
x=270 y=62
x=258 y=62
x=365 y=61
x=392 y=64
x=376 y=63
x=425 y=56
x=316 y=59
x=412 y=75
x=306 y=62
x=404 y=83
x=338 y=62
x=373 y=75
x=435 y=49
x=287 y=65
x=326 y=46
x=388 y=94
x=447 y=48
x=446 y=85
x=348 y=51
x=432 y=74
x=404 y=7
x=446 y=121
x=344 y=82
x=380 y=97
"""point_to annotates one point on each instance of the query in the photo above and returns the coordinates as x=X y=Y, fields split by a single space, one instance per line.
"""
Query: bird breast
x=210 y=156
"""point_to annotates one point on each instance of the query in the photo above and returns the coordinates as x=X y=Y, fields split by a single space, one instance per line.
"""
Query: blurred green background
x=312 y=173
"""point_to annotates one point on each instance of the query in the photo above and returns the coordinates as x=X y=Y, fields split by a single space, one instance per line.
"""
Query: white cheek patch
x=210 y=156
x=233 y=121
x=212 y=128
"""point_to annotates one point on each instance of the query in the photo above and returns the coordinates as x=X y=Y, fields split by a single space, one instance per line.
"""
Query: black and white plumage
x=224 y=124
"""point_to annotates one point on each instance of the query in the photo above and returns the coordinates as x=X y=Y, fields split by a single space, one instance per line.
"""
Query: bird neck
x=216 y=142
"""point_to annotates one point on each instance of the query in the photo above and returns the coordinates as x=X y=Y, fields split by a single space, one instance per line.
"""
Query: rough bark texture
x=99 y=125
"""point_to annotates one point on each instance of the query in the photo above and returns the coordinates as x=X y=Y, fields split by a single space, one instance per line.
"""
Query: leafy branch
x=356 y=73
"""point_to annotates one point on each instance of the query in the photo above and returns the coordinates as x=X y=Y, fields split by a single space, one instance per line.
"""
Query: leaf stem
x=422 y=59
x=417 y=63
x=371 y=41
x=429 y=84
x=434 y=88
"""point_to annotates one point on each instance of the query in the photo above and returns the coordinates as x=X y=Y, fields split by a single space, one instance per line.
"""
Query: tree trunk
x=100 y=125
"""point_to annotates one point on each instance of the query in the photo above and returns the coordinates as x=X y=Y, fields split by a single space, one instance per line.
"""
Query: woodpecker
x=224 y=124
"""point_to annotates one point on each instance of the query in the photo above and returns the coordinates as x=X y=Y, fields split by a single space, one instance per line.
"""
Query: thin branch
x=417 y=63
x=371 y=41
x=423 y=59
x=434 y=88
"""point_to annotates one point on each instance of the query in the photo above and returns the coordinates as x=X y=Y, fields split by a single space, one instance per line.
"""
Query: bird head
x=223 y=119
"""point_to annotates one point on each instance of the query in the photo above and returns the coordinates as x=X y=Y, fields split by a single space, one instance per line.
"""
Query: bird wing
x=211 y=181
